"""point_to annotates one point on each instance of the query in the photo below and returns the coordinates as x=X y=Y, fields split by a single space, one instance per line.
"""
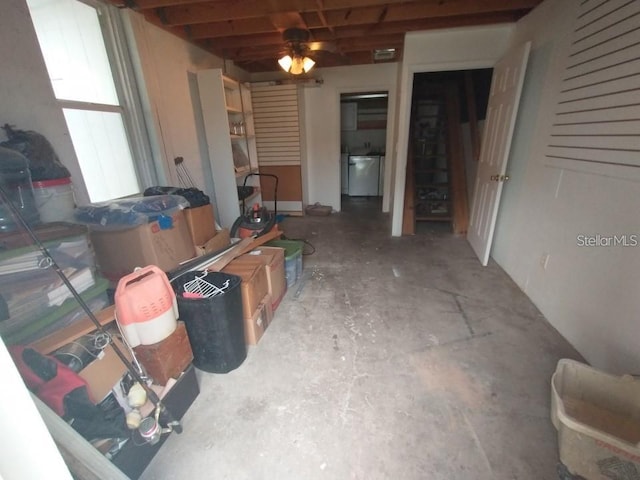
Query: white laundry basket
x=597 y=416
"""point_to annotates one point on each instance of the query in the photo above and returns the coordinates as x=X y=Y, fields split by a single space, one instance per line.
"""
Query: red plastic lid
x=52 y=183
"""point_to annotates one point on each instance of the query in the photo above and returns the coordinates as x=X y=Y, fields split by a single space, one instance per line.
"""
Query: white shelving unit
x=228 y=124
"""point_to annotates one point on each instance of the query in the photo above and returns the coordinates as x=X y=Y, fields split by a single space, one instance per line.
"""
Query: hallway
x=393 y=358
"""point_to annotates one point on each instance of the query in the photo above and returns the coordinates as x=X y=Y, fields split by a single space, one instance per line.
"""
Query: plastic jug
x=146 y=307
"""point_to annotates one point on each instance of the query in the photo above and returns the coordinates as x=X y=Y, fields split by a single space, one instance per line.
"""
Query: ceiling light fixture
x=296 y=64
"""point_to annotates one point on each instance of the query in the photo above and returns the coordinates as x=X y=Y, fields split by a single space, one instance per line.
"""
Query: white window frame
x=128 y=94
x=129 y=99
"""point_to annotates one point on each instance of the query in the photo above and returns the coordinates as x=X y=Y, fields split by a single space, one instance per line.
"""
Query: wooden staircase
x=435 y=188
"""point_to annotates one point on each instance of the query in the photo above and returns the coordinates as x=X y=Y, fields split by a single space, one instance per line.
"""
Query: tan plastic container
x=597 y=416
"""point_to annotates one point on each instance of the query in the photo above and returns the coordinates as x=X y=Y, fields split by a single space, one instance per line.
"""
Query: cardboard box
x=103 y=373
x=201 y=223
x=254 y=285
x=168 y=358
x=119 y=252
x=273 y=260
x=221 y=240
x=255 y=326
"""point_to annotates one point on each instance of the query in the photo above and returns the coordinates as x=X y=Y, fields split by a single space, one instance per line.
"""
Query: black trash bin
x=215 y=325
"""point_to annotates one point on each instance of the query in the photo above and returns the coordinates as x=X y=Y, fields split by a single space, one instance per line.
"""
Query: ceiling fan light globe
x=286 y=62
x=297 y=67
x=307 y=64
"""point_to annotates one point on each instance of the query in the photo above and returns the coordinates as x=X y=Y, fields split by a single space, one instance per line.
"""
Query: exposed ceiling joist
x=249 y=32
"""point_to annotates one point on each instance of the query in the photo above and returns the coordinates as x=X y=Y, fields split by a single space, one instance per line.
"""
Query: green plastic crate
x=292 y=258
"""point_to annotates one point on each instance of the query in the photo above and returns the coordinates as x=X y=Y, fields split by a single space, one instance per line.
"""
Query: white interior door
x=504 y=97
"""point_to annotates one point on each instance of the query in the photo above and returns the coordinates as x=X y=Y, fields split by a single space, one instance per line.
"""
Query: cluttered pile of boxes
x=132 y=233
x=266 y=270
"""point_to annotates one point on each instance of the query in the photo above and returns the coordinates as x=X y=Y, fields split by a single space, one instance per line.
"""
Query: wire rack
x=201 y=287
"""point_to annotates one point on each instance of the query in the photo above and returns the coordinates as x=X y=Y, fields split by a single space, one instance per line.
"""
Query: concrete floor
x=394 y=358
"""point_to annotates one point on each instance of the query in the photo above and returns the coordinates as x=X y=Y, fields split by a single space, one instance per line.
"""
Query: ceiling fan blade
x=322 y=46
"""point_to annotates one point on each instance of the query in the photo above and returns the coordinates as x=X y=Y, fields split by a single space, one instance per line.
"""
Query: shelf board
x=372 y=124
x=230 y=83
x=432 y=185
x=243 y=172
x=431 y=170
x=433 y=218
x=235 y=136
x=231 y=109
x=431 y=200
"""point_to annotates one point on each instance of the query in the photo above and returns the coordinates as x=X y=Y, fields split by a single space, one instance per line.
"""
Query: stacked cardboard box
x=119 y=252
x=256 y=302
x=201 y=223
x=273 y=260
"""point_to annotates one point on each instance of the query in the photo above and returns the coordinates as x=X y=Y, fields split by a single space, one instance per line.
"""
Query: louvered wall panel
x=275 y=113
x=597 y=119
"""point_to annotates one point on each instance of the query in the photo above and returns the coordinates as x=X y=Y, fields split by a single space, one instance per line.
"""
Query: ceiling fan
x=297 y=58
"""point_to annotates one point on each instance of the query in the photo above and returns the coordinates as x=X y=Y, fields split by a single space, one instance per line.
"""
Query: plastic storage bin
x=54 y=319
x=597 y=416
x=215 y=325
x=292 y=258
x=54 y=199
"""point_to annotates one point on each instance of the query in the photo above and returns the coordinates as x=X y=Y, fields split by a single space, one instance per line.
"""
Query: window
x=79 y=42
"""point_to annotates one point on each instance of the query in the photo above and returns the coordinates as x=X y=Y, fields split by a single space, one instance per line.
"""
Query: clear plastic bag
x=130 y=212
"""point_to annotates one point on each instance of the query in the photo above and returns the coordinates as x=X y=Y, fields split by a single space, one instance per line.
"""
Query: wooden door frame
x=389 y=167
x=404 y=121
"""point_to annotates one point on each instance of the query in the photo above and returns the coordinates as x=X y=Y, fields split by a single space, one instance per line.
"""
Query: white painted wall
x=28 y=451
x=432 y=51
x=26 y=95
x=322 y=121
x=321 y=172
x=166 y=67
x=591 y=295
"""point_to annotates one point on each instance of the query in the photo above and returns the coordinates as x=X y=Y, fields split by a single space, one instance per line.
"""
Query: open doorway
x=447 y=116
x=363 y=136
